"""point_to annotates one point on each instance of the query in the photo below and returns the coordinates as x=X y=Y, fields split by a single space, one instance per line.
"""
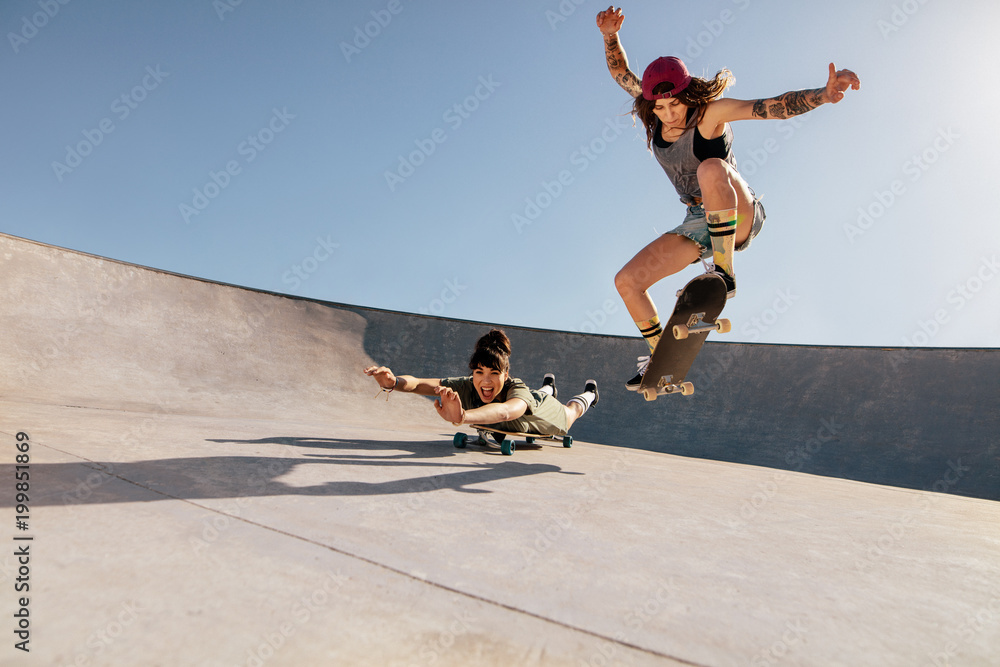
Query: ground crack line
x=389 y=568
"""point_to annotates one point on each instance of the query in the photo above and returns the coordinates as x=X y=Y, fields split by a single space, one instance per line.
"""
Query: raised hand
x=448 y=405
x=382 y=375
x=610 y=20
x=840 y=81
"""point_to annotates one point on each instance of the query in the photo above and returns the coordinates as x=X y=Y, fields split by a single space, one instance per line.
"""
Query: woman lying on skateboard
x=490 y=397
x=687 y=129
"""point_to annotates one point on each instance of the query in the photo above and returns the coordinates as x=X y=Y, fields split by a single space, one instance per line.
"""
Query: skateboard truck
x=666 y=385
x=697 y=324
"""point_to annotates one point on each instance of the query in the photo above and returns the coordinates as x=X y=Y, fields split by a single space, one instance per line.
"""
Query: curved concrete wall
x=83 y=330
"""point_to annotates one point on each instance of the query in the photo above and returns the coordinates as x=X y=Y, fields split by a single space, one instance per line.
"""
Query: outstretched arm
x=609 y=22
x=387 y=380
x=786 y=105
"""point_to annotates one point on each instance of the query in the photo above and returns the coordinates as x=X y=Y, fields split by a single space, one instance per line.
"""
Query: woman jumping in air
x=687 y=129
x=490 y=397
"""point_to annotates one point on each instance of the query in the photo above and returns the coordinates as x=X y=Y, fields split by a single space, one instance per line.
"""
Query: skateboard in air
x=699 y=304
x=507 y=445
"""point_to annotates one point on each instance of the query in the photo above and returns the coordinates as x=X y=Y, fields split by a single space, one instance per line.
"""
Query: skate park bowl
x=208 y=478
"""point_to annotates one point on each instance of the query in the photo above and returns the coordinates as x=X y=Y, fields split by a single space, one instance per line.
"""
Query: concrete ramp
x=211 y=481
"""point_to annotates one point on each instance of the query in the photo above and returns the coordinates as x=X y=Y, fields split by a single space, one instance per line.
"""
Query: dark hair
x=697 y=95
x=492 y=351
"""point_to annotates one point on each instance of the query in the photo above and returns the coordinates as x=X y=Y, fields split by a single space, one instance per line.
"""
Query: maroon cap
x=667 y=69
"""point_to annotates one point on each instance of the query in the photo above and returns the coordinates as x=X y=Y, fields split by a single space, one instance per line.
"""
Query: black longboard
x=507 y=445
x=699 y=304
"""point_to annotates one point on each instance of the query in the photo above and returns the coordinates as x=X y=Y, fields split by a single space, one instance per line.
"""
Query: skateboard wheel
x=529 y=440
x=687 y=388
x=680 y=331
x=649 y=394
x=567 y=441
x=724 y=325
x=459 y=440
x=507 y=447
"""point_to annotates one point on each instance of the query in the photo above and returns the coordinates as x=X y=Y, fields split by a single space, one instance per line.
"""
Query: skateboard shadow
x=248 y=476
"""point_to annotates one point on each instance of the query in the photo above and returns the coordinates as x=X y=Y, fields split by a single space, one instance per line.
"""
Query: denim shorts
x=695 y=227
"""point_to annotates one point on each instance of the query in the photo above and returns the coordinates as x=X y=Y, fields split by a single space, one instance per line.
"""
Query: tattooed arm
x=786 y=105
x=610 y=22
x=789 y=104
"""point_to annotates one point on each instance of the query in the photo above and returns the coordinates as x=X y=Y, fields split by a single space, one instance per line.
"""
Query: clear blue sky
x=473 y=160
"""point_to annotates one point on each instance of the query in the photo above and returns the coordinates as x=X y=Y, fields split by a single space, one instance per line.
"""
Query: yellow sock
x=651 y=331
x=722 y=230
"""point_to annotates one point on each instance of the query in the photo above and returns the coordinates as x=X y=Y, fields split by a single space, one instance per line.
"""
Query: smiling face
x=488 y=382
x=671 y=112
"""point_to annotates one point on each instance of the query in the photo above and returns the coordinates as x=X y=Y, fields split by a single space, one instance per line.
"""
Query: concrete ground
x=213 y=482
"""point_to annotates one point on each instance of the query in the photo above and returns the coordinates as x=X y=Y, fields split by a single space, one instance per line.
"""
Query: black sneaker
x=550 y=380
x=592 y=386
x=729 y=280
x=633 y=384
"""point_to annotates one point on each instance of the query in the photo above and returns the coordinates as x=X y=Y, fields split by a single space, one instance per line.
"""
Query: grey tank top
x=679 y=162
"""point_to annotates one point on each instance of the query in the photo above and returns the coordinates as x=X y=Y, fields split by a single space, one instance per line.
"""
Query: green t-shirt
x=544 y=416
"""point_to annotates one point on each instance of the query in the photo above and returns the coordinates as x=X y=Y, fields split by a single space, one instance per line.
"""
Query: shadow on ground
x=214 y=477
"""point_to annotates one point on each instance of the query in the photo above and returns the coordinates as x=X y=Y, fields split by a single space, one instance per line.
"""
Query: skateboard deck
x=507 y=445
x=696 y=313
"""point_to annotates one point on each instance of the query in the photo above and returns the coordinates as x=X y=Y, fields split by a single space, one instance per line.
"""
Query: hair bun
x=495 y=339
x=492 y=351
